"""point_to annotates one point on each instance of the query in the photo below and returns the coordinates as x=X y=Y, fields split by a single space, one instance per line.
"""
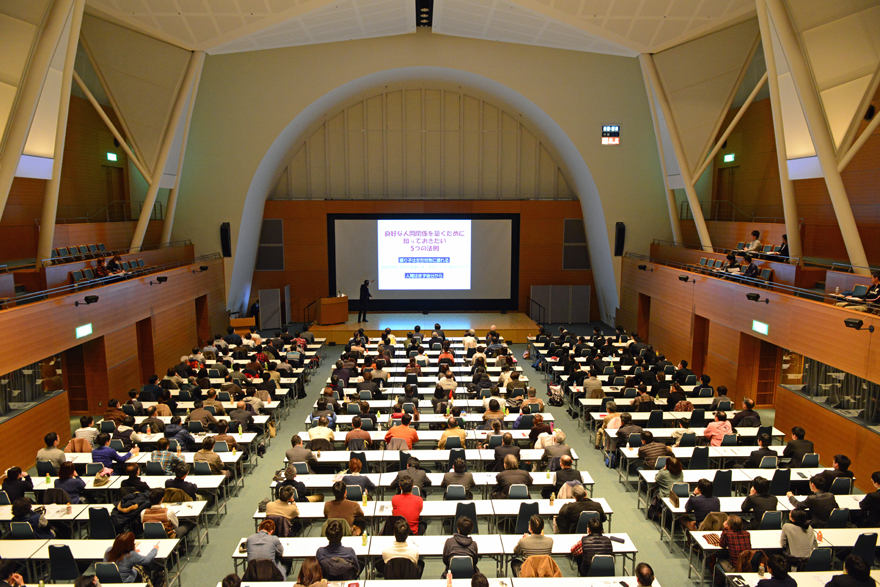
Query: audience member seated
x=310 y=574
x=820 y=503
x=113 y=412
x=176 y=431
x=354 y=477
x=338 y=563
x=133 y=480
x=87 y=430
x=345 y=509
x=511 y=475
x=22 y=511
x=868 y=515
x=181 y=470
x=755 y=457
x=51 y=454
x=410 y=435
x=589 y=546
x=840 y=468
x=735 y=540
x=107 y=456
x=413 y=471
x=759 y=500
x=265 y=546
x=409 y=506
x=797 y=447
x=570 y=513
x=167 y=459
x=869 y=299
x=460 y=476
x=651 y=450
x=717 y=430
x=534 y=543
x=285 y=505
x=857 y=573
x=242 y=419
x=701 y=503
x=400 y=548
x=207 y=455
x=164 y=515
x=124 y=553
x=452 y=429
x=461 y=544
x=538 y=428
x=322 y=430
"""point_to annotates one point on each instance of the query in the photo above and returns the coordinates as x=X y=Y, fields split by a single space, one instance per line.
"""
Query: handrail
x=711 y=211
x=847 y=268
x=541 y=310
x=85 y=284
x=798 y=292
x=306 y=312
x=127 y=216
x=722 y=250
x=110 y=253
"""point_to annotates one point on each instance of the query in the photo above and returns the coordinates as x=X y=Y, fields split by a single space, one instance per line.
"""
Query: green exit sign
x=760 y=327
x=729 y=157
x=84 y=330
x=112 y=157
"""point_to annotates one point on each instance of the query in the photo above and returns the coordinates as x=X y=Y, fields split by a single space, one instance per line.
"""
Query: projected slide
x=424 y=254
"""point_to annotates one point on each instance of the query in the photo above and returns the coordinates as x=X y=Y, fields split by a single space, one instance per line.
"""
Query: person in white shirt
x=755 y=245
x=322 y=430
x=400 y=548
x=493 y=394
x=480 y=353
x=87 y=430
x=469 y=341
x=248 y=341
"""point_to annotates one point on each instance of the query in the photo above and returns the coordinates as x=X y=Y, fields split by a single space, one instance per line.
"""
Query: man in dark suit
x=820 y=503
x=419 y=477
x=755 y=457
x=241 y=417
x=840 y=468
x=297 y=453
x=660 y=386
x=150 y=392
x=369 y=385
x=505 y=448
x=869 y=514
x=231 y=338
x=751 y=269
x=566 y=473
x=511 y=475
x=683 y=372
x=797 y=448
x=156 y=425
x=364 y=299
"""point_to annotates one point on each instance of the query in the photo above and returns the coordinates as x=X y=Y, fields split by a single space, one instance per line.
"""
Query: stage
x=515 y=327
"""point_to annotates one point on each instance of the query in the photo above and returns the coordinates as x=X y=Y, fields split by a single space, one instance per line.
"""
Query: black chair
x=154 y=531
x=154 y=468
x=820 y=560
x=841 y=486
x=655 y=419
x=455 y=454
x=722 y=484
x=700 y=458
x=462 y=567
x=602 y=566
x=455 y=493
x=810 y=461
x=45 y=468
x=698 y=419
x=22 y=531
x=4 y=498
x=359 y=455
x=781 y=482
x=635 y=440
x=839 y=518
x=583 y=520
x=688 y=439
x=202 y=468
x=770 y=521
x=526 y=511
x=865 y=546
x=108 y=573
x=453 y=442
x=100 y=525
x=468 y=510
x=354 y=492
x=62 y=565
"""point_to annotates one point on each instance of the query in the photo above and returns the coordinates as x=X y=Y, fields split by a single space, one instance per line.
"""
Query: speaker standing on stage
x=365 y=300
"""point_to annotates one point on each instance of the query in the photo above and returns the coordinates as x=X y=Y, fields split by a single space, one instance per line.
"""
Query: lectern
x=332 y=310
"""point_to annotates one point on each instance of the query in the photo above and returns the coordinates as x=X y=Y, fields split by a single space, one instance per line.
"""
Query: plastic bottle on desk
x=448 y=578
x=364 y=538
x=240 y=431
x=148 y=429
x=48 y=478
x=761 y=570
x=365 y=499
x=552 y=498
x=69 y=509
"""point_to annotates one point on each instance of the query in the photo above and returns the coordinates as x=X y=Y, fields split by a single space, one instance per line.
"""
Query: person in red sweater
x=409 y=506
x=403 y=431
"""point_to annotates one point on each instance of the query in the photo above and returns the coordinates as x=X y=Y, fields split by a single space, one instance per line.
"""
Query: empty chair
x=698 y=418
x=154 y=468
x=681 y=489
x=76 y=276
x=841 y=486
x=462 y=567
x=810 y=461
x=728 y=440
x=100 y=525
x=584 y=518
x=526 y=511
x=770 y=521
x=724 y=406
x=602 y=566
x=527 y=421
x=700 y=458
x=518 y=491
x=839 y=518
x=93 y=469
x=4 y=498
x=690 y=380
x=352 y=409
x=88 y=274
x=416 y=491
x=655 y=419
x=117 y=445
x=455 y=492
x=781 y=482
x=722 y=484
x=213 y=374
x=108 y=573
x=62 y=565
x=769 y=463
x=202 y=468
x=660 y=463
x=688 y=439
x=865 y=546
x=618 y=381
x=608 y=370
x=108 y=426
x=820 y=560
x=703 y=261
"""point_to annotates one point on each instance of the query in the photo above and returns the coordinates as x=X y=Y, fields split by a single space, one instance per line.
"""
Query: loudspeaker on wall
x=226 y=239
x=619 y=238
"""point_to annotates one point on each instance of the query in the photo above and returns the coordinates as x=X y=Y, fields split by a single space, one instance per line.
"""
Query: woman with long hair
x=124 y=553
x=69 y=481
x=310 y=573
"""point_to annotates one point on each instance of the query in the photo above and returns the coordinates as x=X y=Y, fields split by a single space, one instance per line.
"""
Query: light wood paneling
x=844 y=281
x=114 y=235
x=22 y=436
x=856 y=442
x=728 y=234
x=123 y=369
x=174 y=335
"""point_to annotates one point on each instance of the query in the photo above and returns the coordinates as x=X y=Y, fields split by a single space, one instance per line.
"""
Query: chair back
x=810 y=461
x=354 y=492
x=221 y=446
x=630 y=392
x=705 y=392
x=688 y=439
x=526 y=511
x=602 y=566
x=700 y=457
x=453 y=442
x=454 y=454
x=45 y=468
x=202 y=468
x=223 y=396
x=724 y=406
x=518 y=491
x=455 y=492
x=154 y=531
x=154 y=468
x=55 y=495
x=467 y=510
x=681 y=489
x=839 y=518
x=22 y=531
x=211 y=410
x=128 y=409
x=495 y=440
x=661 y=462
x=100 y=525
x=770 y=521
x=841 y=486
x=108 y=426
x=865 y=546
x=769 y=463
x=722 y=483
x=462 y=567
x=352 y=409
x=400 y=568
x=116 y=444
x=93 y=469
x=781 y=482
x=108 y=573
x=4 y=498
x=195 y=426
x=618 y=381
x=583 y=520
x=698 y=418
x=690 y=380
x=655 y=419
x=416 y=491
x=635 y=440
x=62 y=565
x=527 y=421
x=820 y=560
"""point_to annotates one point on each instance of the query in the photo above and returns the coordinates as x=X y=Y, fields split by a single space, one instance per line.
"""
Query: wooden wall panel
x=123 y=368
x=856 y=442
x=728 y=234
x=844 y=281
x=114 y=235
x=306 y=253
x=22 y=436
x=174 y=335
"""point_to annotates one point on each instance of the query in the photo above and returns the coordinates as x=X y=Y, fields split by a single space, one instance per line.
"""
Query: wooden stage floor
x=514 y=326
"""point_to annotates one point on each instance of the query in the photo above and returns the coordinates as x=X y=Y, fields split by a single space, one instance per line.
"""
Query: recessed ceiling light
x=424 y=20
x=424 y=10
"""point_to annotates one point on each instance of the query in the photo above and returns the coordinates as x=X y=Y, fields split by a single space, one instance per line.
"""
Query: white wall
x=247 y=100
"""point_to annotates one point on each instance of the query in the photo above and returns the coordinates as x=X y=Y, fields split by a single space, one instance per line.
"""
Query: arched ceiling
x=616 y=27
